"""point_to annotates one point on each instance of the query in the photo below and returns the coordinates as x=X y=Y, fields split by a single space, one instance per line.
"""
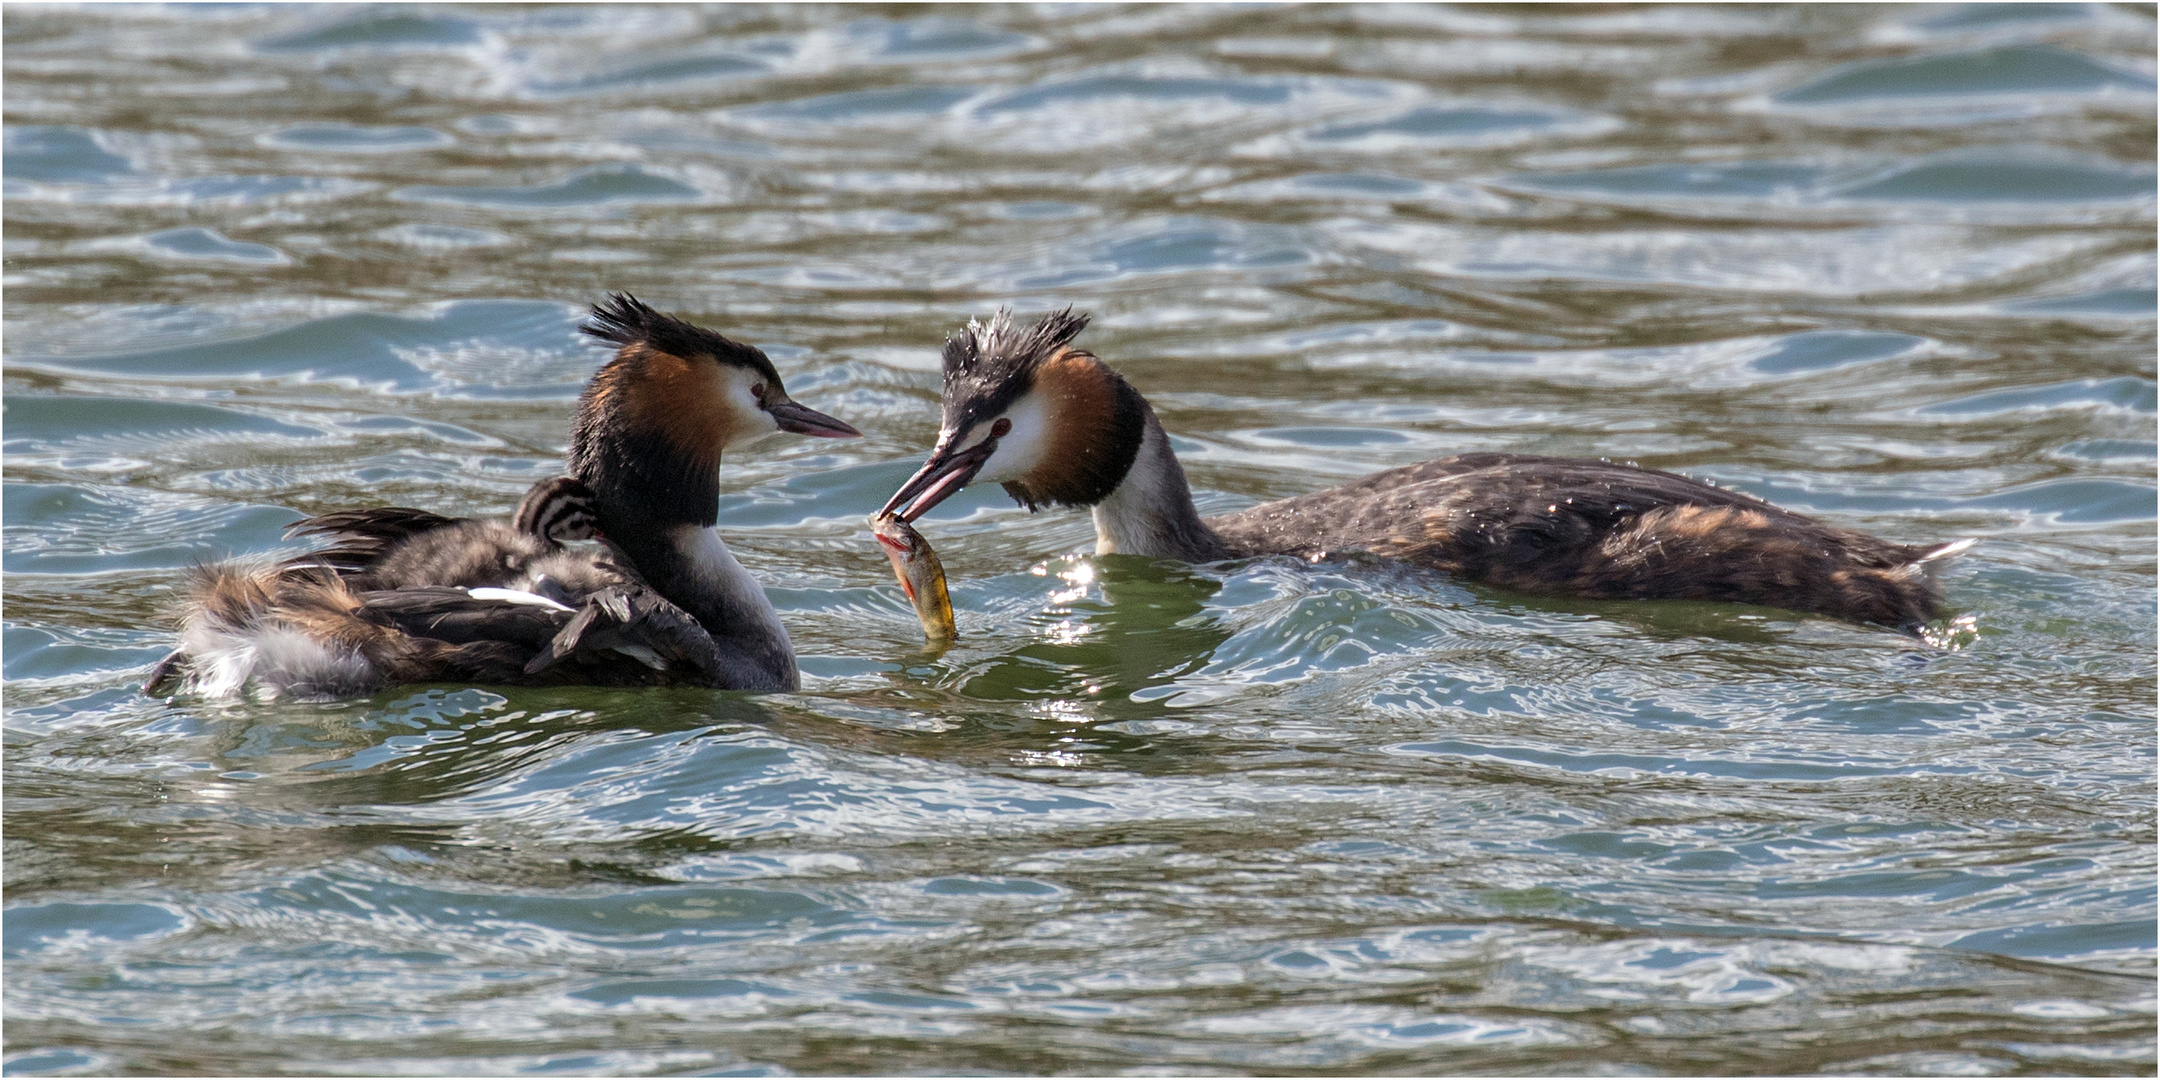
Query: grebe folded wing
x=623 y=621
x=1599 y=530
x=637 y=622
x=460 y=616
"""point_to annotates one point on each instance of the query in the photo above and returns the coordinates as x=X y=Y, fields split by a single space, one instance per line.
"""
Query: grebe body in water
x=404 y=595
x=1025 y=408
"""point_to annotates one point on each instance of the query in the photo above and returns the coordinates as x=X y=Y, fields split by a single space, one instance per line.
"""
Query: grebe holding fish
x=1025 y=408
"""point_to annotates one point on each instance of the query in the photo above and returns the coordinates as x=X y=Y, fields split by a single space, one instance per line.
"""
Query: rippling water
x=1894 y=267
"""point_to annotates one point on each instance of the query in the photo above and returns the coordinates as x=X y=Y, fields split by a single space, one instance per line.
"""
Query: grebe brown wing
x=639 y=634
x=1595 y=529
x=459 y=617
x=1514 y=507
x=419 y=596
x=636 y=622
x=316 y=637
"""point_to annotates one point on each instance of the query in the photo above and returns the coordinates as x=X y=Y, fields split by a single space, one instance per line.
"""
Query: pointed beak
x=939 y=479
x=807 y=421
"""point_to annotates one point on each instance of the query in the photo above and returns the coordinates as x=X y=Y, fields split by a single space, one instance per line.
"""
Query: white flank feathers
x=278 y=661
x=1950 y=550
x=515 y=596
x=641 y=654
x=1930 y=565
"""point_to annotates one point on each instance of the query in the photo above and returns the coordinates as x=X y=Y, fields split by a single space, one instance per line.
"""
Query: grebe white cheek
x=1024 y=447
x=741 y=395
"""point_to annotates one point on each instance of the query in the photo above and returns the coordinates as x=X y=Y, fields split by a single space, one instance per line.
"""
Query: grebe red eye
x=998 y=430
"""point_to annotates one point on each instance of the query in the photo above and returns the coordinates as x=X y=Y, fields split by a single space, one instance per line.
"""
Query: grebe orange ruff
x=1054 y=425
x=406 y=596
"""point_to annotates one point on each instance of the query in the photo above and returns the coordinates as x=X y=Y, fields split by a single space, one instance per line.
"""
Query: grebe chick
x=1056 y=426
x=404 y=595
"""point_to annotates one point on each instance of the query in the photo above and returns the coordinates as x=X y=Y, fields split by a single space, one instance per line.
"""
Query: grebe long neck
x=1057 y=427
x=1151 y=510
x=656 y=498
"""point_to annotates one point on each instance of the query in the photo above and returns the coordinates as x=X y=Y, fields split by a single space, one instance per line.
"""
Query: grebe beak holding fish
x=406 y=595
x=1026 y=408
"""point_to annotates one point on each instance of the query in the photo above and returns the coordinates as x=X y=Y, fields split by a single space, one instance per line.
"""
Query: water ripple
x=1890 y=266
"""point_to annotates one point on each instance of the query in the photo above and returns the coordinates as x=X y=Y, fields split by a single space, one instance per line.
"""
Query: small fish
x=922 y=576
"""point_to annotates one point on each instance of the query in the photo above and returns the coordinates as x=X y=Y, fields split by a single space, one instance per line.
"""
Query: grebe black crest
x=1028 y=409
x=402 y=595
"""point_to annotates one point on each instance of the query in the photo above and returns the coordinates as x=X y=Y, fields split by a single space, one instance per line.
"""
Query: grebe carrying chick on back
x=406 y=595
x=1025 y=408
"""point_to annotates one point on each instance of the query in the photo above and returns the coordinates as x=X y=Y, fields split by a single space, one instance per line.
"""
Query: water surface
x=1890 y=266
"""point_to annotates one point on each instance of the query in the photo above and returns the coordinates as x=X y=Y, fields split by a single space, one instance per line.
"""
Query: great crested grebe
x=1055 y=426
x=407 y=596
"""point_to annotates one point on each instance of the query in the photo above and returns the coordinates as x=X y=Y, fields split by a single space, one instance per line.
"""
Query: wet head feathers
x=1094 y=418
x=990 y=366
